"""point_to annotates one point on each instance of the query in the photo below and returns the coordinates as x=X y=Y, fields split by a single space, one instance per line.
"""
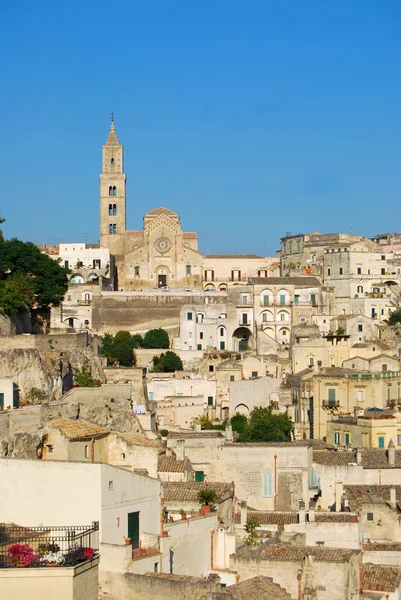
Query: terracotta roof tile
x=188 y=491
x=332 y=517
x=378 y=547
x=137 y=440
x=369 y=494
x=380 y=578
x=269 y=517
x=287 y=552
x=78 y=429
x=169 y=464
x=258 y=587
x=371 y=458
x=161 y=211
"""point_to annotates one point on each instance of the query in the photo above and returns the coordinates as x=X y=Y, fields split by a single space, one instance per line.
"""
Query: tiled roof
x=269 y=517
x=287 y=552
x=137 y=440
x=332 y=517
x=257 y=588
x=141 y=471
x=380 y=578
x=296 y=281
x=188 y=491
x=169 y=464
x=78 y=429
x=190 y=578
x=192 y=434
x=112 y=139
x=369 y=494
x=161 y=211
x=371 y=458
x=377 y=547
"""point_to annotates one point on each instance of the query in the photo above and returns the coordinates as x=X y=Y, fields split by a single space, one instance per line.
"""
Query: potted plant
x=22 y=555
x=127 y=541
x=207 y=498
x=183 y=514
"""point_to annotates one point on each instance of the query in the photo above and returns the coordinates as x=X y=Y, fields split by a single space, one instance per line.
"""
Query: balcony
x=40 y=547
x=242 y=324
x=149 y=545
x=330 y=403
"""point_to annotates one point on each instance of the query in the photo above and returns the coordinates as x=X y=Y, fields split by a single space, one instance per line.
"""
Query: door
x=243 y=345
x=133 y=529
x=162 y=280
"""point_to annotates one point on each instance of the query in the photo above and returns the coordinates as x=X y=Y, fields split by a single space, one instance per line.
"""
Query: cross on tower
x=112 y=118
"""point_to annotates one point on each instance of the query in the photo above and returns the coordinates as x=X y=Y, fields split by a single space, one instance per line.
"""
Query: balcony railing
x=149 y=545
x=47 y=546
x=330 y=403
x=246 y=324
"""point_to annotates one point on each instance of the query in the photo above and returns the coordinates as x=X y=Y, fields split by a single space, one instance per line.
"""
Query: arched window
x=114 y=228
x=114 y=209
x=188 y=269
x=359 y=289
x=110 y=191
x=136 y=271
x=110 y=209
x=112 y=161
x=111 y=228
x=114 y=190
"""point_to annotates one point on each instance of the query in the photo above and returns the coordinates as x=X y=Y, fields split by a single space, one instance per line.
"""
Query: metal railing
x=55 y=546
x=330 y=403
x=149 y=545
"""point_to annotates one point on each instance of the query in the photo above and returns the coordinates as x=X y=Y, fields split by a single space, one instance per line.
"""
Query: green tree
x=119 y=349
x=107 y=347
x=156 y=338
x=168 y=362
x=1 y=232
x=137 y=340
x=15 y=292
x=46 y=279
x=262 y=426
x=395 y=317
x=239 y=423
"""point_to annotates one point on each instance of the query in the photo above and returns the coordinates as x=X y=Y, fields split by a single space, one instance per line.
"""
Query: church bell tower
x=113 y=195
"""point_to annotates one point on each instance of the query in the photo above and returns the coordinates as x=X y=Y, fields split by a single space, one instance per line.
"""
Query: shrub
x=168 y=362
x=83 y=378
x=207 y=496
x=164 y=433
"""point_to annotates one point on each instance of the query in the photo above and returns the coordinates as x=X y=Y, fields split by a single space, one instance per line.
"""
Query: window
x=244 y=300
x=112 y=228
x=50 y=448
x=86 y=451
x=111 y=485
x=313 y=478
x=199 y=318
x=383 y=271
x=201 y=335
x=254 y=374
x=156 y=567
x=150 y=395
x=359 y=289
x=189 y=316
x=337 y=437
x=296 y=299
x=360 y=327
x=369 y=516
x=199 y=475
x=282 y=316
x=347 y=438
x=244 y=319
x=267 y=485
x=114 y=190
x=210 y=400
x=122 y=455
x=264 y=317
x=223 y=316
x=329 y=271
x=233 y=379
x=313 y=298
x=189 y=334
x=110 y=209
x=341 y=270
x=211 y=368
x=222 y=345
x=112 y=162
x=136 y=271
x=290 y=247
x=332 y=396
x=282 y=300
x=221 y=331
x=66 y=264
x=311 y=361
x=380 y=441
x=384 y=368
x=114 y=209
x=383 y=257
x=199 y=347
x=359 y=270
x=360 y=396
x=398 y=439
x=188 y=269
x=265 y=300
x=110 y=191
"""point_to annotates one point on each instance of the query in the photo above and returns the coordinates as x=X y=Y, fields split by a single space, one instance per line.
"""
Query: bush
x=168 y=362
x=36 y=396
x=395 y=317
x=120 y=348
x=207 y=496
x=164 y=433
x=83 y=378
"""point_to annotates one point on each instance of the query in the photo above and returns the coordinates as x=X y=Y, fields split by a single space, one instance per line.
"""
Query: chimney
x=244 y=513
x=393 y=498
x=301 y=511
x=180 y=450
x=229 y=433
x=359 y=456
x=312 y=507
x=339 y=495
x=391 y=453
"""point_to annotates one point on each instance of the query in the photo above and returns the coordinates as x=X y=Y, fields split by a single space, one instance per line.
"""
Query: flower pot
x=184 y=517
x=206 y=508
x=128 y=542
x=164 y=534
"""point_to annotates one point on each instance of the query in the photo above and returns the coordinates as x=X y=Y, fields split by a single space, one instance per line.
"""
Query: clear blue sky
x=248 y=118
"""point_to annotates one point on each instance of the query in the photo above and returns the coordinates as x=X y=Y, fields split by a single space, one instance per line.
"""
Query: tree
x=262 y=426
x=239 y=423
x=168 y=362
x=156 y=338
x=45 y=280
x=395 y=317
x=119 y=349
x=137 y=340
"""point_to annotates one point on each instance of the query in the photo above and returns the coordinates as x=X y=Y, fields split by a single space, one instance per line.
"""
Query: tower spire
x=112 y=139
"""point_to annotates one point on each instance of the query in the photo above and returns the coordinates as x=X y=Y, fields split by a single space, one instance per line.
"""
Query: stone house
x=370 y=428
x=9 y=393
x=268 y=476
x=358 y=327
x=303 y=571
x=172 y=469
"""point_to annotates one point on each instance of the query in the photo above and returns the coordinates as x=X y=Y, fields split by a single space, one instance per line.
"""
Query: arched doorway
x=242 y=339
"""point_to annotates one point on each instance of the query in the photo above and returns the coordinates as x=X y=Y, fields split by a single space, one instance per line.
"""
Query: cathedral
x=159 y=255
x=162 y=254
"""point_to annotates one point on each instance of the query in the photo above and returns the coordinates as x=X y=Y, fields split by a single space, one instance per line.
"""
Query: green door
x=199 y=475
x=133 y=529
x=243 y=345
x=1 y=400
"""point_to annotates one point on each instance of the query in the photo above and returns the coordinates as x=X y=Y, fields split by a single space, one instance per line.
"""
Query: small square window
x=360 y=327
x=111 y=485
x=86 y=451
x=369 y=516
x=50 y=449
x=199 y=346
x=210 y=400
x=189 y=316
x=359 y=270
x=254 y=374
x=211 y=368
x=201 y=335
x=233 y=379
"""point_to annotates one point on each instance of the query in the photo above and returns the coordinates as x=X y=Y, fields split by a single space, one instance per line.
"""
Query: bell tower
x=113 y=182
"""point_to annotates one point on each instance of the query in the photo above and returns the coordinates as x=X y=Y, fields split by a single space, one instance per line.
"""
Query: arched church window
x=136 y=271
x=114 y=190
x=112 y=161
x=110 y=191
x=114 y=228
x=111 y=228
x=188 y=269
x=114 y=209
x=111 y=209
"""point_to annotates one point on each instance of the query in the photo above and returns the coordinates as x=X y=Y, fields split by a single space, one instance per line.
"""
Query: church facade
x=161 y=254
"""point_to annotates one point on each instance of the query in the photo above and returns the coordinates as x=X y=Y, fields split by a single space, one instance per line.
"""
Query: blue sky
x=248 y=118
